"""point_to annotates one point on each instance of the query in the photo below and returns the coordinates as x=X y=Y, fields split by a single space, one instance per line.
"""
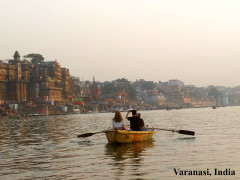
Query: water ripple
x=48 y=147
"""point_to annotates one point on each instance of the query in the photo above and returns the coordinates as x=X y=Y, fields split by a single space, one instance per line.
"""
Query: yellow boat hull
x=122 y=136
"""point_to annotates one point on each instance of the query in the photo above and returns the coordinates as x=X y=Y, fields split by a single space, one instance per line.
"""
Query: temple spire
x=17 y=56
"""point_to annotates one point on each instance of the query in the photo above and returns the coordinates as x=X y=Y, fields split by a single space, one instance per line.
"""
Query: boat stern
x=123 y=136
x=111 y=135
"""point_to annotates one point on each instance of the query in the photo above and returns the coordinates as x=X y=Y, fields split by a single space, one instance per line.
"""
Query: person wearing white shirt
x=118 y=121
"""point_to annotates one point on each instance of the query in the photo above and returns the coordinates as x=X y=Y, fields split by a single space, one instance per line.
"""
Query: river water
x=48 y=147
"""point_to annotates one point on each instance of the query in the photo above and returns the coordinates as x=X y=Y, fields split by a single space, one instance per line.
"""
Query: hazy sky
x=195 y=41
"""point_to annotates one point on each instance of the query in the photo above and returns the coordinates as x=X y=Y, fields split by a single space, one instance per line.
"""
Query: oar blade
x=192 y=133
x=85 y=135
x=88 y=134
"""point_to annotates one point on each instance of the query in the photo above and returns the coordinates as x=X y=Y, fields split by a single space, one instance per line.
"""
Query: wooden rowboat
x=122 y=136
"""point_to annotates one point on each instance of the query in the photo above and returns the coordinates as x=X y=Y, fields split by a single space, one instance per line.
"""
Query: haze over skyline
x=194 y=41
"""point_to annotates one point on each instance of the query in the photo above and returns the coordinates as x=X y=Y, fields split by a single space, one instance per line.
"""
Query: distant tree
x=214 y=92
x=87 y=82
x=160 y=90
x=148 y=85
x=131 y=91
x=128 y=86
x=123 y=80
x=34 y=58
x=108 y=88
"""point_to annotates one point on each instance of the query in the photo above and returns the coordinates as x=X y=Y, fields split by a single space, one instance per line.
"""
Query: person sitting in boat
x=134 y=120
x=118 y=121
x=141 y=122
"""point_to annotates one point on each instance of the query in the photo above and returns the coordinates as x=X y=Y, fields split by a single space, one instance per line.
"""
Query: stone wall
x=4 y=92
x=21 y=80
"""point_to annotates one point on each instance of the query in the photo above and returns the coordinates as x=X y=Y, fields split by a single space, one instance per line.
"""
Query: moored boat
x=26 y=117
x=4 y=117
x=122 y=136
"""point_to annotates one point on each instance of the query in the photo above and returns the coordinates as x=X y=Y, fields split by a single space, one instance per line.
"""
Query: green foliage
x=34 y=58
x=123 y=80
x=214 y=92
x=108 y=88
x=88 y=82
x=129 y=88
x=148 y=85
x=161 y=91
x=131 y=91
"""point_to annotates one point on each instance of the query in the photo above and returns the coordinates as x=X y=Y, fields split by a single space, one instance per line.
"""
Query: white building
x=174 y=82
x=224 y=99
x=150 y=96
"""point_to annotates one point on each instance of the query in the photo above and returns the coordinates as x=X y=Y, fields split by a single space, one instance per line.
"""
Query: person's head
x=134 y=112
x=118 y=116
x=139 y=114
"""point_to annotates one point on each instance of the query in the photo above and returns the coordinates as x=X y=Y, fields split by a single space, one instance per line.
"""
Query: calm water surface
x=48 y=147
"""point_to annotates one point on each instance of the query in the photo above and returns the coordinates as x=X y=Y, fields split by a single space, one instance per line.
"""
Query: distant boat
x=92 y=112
x=4 y=117
x=20 y=117
x=36 y=115
x=168 y=109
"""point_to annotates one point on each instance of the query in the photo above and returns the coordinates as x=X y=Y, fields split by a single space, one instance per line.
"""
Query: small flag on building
x=79 y=101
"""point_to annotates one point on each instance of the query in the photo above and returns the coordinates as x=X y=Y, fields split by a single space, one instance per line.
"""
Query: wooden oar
x=88 y=134
x=179 y=131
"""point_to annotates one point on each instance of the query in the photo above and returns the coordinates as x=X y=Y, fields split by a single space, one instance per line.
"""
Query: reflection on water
x=48 y=147
x=120 y=153
x=85 y=143
x=124 y=151
x=186 y=138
